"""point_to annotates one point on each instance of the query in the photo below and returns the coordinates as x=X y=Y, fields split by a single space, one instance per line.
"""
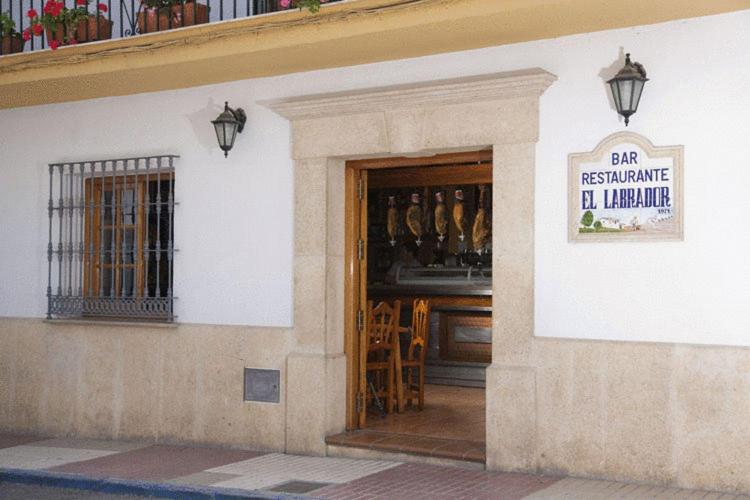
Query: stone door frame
x=497 y=110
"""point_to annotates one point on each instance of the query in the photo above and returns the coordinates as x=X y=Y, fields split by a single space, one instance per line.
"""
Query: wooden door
x=362 y=298
x=355 y=297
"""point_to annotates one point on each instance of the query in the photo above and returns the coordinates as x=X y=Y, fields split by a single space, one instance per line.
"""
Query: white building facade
x=578 y=384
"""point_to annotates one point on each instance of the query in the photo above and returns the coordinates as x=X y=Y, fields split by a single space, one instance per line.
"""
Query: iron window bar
x=110 y=252
x=125 y=18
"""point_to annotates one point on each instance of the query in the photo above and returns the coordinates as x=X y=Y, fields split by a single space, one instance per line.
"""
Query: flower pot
x=176 y=16
x=84 y=31
x=11 y=44
x=87 y=29
x=58 y=34
x=190 y=13
x=153 y=20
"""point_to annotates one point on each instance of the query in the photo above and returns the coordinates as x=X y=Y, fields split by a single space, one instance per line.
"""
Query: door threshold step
x=451 y=449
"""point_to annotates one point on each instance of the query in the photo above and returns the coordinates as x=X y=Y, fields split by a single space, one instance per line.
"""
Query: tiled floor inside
x=276 y=473
x=451 y=425
x=450 y=412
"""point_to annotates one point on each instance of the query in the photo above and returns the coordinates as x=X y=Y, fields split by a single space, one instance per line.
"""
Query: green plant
x=311 y=5
x=7 y=26
x=598 y=225
x=588 y=218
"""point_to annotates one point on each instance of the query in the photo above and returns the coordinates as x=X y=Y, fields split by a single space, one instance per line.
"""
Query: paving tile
x=357 y=439
x=426 y=445
x=584 y=489
x=461 y=450
x=454 y=449
x=297 y=487
x=202 y=478
x=392 y=442
x=44 y=457
x=10 y=440
x=414 y=481
x=91 y=444
x=157 y=463
x=276 y=468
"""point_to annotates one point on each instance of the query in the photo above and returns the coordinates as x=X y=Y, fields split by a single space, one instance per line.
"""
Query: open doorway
x=419 y=234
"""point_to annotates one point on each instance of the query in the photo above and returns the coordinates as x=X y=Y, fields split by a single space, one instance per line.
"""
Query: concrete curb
x=133 y=487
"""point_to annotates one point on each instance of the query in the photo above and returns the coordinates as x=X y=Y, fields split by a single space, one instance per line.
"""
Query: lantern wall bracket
x=240 y=116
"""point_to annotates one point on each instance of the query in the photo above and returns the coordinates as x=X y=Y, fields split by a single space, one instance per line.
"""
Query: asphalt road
x=18 y=491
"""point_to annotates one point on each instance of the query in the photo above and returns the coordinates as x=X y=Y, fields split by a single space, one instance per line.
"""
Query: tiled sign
x=625 y=189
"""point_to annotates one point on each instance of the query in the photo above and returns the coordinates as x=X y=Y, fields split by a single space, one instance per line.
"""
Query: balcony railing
x=94 y=20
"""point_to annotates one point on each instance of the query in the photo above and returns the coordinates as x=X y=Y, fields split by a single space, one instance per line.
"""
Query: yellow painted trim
x=342 y=34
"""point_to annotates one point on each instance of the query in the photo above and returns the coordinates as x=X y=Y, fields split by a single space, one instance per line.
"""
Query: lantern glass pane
x=231 y=132
x=219 y=126
x=626 y=94
x=637 y=89
x=616 y=95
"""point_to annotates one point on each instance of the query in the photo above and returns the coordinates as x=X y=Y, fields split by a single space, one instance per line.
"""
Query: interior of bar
x=429 y=264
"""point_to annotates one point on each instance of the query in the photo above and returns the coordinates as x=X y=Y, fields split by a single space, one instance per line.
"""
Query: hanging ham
x=481 y=231
x=441 y=216
x=414 y=218
x=459 y=215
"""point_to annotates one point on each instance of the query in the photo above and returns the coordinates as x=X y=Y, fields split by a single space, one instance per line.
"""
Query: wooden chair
x=420 y=334
x=381 y=353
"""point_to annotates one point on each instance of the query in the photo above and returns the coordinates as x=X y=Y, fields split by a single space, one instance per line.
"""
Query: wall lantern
x=228 y=124
x=627 y=86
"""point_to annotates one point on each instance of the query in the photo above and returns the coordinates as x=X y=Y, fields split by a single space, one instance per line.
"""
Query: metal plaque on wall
x=262 y=385
x=625 y=189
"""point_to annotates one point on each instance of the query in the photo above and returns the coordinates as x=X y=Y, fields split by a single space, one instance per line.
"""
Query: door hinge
x=361 y=188
x=358 y=402
x=360 y=320
x=360 y=249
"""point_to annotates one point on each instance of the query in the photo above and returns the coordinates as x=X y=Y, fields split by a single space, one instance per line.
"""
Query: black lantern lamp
x=228 y=124
x=627 y=86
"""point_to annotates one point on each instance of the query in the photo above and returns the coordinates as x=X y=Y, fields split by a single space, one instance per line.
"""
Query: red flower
x=53 y=8
x=32 y=13
x=102 y=7
x=54 y=44
x=37 y=29
x=72 y=41
x=81 y=2
x=26 y=34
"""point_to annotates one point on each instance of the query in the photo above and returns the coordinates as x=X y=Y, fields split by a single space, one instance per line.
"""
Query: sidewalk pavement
x=191 y=472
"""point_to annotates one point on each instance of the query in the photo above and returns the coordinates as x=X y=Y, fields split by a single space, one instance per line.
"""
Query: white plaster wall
x=235 y=219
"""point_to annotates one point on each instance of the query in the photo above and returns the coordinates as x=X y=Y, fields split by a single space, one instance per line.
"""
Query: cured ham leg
x=441 y=216
x=414 y=218
x=459 y=215
x=481 y=232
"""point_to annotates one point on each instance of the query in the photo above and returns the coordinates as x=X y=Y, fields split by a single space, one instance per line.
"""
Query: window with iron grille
x=111 y=239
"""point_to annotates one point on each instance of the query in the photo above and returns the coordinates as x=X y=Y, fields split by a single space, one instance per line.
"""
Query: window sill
x=111 y=322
